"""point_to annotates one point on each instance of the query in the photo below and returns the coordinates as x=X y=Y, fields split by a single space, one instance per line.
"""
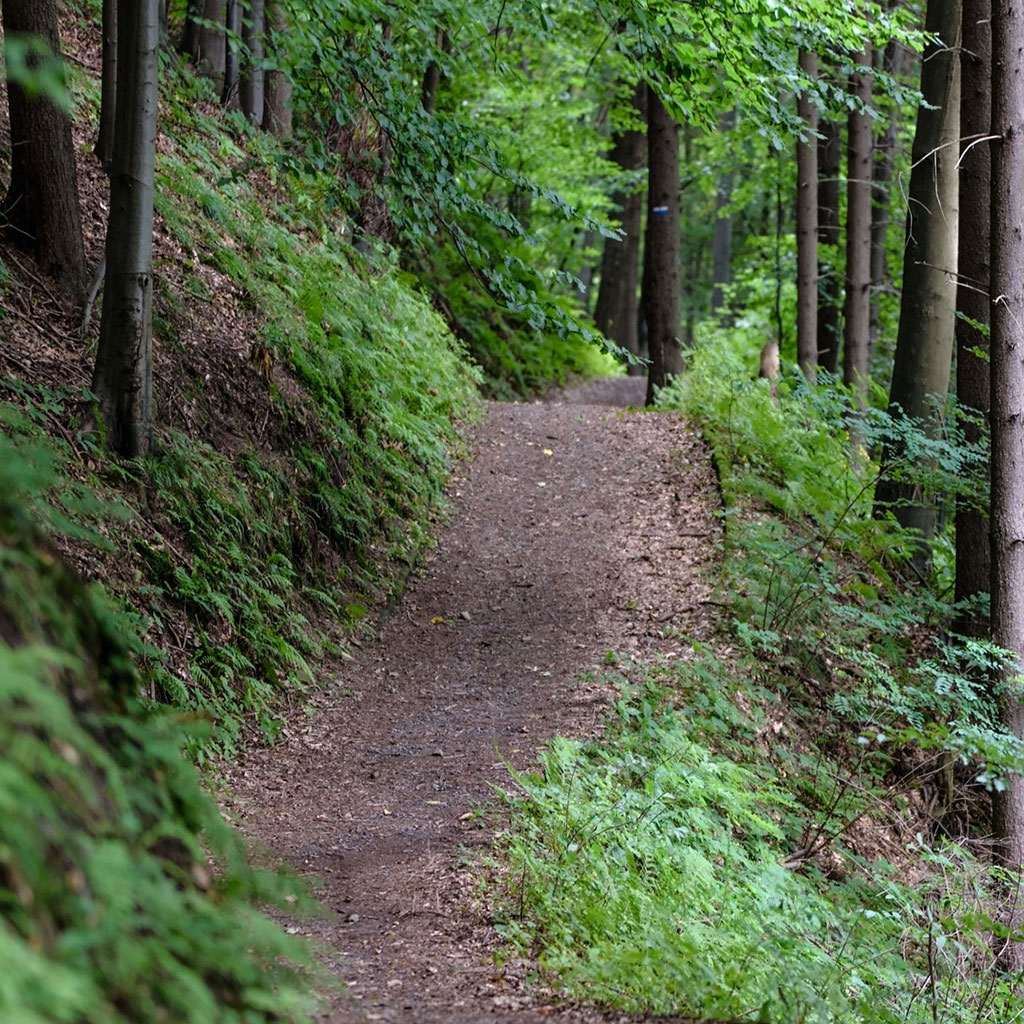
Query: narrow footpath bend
x=578 y=529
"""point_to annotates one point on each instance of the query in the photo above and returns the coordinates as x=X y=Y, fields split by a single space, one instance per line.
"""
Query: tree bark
x=924 y=343
x=108 y=88
x=122 y=378
x=615 y=314
x=432 y=76
x=973 y=559
x=40 y=210
x=233 y=24
x=250 y=89
x=829 y=234
x=1007 y=342
x=190 y=33
x=892 y=60
x=661 y=246
x=721 y=239
x=807 y=227
x=857 y=306
x=277 y=101
x=212 y=49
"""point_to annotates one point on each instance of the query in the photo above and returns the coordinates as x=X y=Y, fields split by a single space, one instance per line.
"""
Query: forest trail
x=577 y=529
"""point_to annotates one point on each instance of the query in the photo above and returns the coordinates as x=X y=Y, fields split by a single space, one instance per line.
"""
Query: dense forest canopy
x=284 y=246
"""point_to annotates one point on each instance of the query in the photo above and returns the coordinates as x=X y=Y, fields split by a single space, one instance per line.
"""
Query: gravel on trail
x=578 y=528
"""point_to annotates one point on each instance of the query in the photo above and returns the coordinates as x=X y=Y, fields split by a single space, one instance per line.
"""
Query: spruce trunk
x=663 y=299
x=924 y=344
x=122 y=378
x=1007 y=343
x=807 y=226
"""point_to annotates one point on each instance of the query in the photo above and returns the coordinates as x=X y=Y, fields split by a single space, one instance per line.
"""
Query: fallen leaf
x=548 y=451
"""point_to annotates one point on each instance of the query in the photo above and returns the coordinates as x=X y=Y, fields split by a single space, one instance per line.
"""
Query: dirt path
x=577 y=529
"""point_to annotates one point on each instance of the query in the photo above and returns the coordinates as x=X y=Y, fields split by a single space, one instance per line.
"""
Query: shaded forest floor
x=577 y=529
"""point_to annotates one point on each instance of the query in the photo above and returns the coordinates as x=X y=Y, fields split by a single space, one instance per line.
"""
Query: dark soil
x=577 y=529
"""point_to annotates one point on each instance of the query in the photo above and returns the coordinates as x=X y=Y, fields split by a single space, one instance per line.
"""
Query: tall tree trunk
x=973 y=559
x=661 y=246
x=721 y=239
x=123 y=375
x=189 y=46
x=857 y=306
x=807 y=226
x=829 y=234
x=432 y=76
x=108 y=88
x=616 y=311
x=1007 y=341
x=891 y=59
x=277 y=101
x=233 y=24
x=250 y=89
x=40 y=209
x=924 y=344
x=212 y=49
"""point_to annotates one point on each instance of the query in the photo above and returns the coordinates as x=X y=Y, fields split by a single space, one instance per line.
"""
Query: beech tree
x=40 y=210
x=250 y=87
x=924 y=343
x=123 y=374
x=662 y=275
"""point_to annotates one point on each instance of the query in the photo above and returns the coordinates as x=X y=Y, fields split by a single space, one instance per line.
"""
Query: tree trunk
x=277 y=101
x=973 y=559
x=661 y=246
x=807 y=227
x=829 y=157
x=1007 y=342
x=122 y=378
x=924 y=344
x=721 y=240
x=857 y=306
x=432 y=76
x=190 y=33
x=212 y=49
x=233 y=24
x=108 y=88
x=616 y=311
x=250 y=88
x=892 y=60
x=40 y=209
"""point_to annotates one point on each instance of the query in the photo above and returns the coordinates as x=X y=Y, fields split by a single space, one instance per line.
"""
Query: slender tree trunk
x=250 y=89
x=721 y=240
x=857 y=307
x=432 y=76
x=616 y=311
x=108 y=88
x=829 y=234
x=123 y=377
x=973 y=560
x=892 y=60
x=277 y=103
x=924 y=344
x=40 y=209
x=190 y=34
x=807 y=227
x=661 y=246
x=233 y=24
x=212 y=49
x=1007 y=341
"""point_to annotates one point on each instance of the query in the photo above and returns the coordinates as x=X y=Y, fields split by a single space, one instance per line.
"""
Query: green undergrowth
x=792 y=830
x=256 y=545
x=124 y=896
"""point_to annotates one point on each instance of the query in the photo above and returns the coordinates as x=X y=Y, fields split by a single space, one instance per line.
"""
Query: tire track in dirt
x=577 y=529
